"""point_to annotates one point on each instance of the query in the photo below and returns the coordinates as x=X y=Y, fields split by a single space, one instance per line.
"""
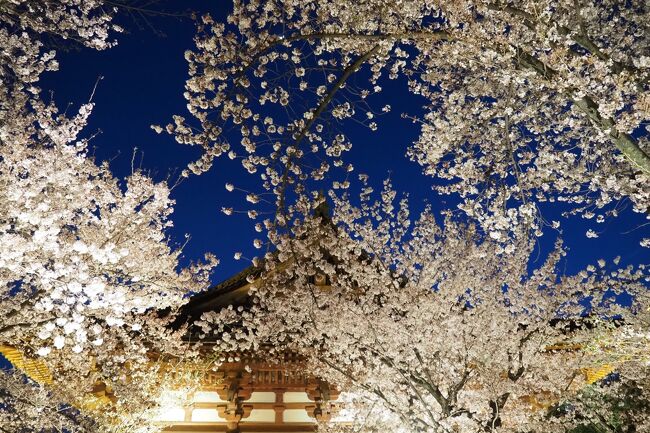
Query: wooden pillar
x=322 y=394
x=234 y=394
x=279 y=406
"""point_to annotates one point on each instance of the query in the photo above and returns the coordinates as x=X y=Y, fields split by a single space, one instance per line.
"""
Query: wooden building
x=248 y=393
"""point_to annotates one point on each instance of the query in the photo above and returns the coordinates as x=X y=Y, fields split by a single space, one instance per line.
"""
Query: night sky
x=143 y=79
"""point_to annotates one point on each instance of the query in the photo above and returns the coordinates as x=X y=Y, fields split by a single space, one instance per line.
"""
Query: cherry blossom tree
x=75 y=290
x=434 y=328
x=87 y=267
x=430 y=328
x=524 y=102
x=73 y=243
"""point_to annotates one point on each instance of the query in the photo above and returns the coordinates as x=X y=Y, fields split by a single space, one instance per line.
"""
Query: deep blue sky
x=143 y=85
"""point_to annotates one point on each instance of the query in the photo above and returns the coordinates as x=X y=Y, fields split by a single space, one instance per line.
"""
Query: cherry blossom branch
x=396 y=410
x=431 y=35
x=21 y=308
x=581 y=38
x=624 y=142
x=347 y=72
x=22 y=325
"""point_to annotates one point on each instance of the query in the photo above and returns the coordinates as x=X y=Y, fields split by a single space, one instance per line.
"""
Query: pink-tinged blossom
x=84 y=257
x=439 y=323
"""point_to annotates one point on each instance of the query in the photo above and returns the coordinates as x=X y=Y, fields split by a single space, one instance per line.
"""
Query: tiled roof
x=34 y=368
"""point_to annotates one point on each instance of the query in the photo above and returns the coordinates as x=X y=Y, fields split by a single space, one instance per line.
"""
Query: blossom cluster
x=85 y=259
x=525 y=103
x=431 y=328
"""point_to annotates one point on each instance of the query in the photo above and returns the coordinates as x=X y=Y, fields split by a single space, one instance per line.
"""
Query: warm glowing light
x=260 y=415
x=171 y=414
x=207 y=397
x=295 y=397
x=205 y=415
x=171 y=404
x=297 y=415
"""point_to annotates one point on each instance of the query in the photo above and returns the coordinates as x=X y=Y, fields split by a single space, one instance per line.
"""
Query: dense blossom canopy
x=73 y=241
x=525 y=102
x=429 y=323
x=436 y=328
x=430 y=329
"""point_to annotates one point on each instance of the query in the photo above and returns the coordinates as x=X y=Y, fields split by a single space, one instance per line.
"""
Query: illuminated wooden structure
x=268 y=398
x=249 y=393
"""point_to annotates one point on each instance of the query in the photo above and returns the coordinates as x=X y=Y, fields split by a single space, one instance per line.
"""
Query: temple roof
x=233 y=290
